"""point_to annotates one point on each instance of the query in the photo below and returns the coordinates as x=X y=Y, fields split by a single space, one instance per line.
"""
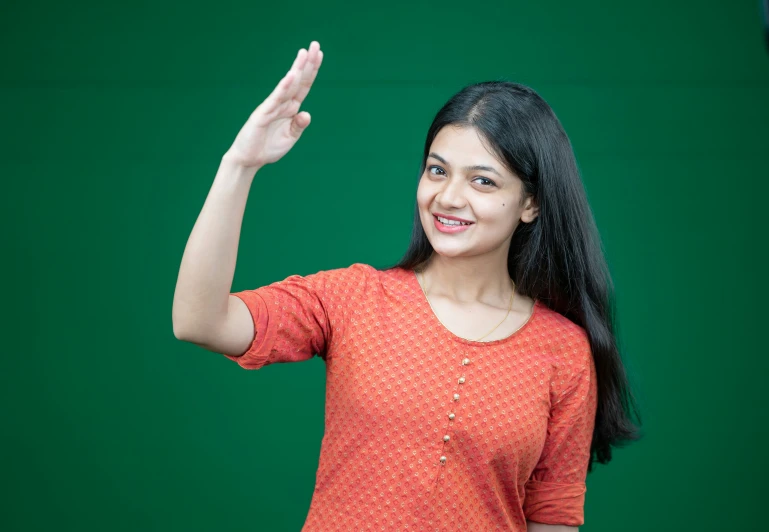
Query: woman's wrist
x=237 y=166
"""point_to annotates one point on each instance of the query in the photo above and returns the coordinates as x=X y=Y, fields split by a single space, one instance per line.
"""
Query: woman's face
x=462 y=179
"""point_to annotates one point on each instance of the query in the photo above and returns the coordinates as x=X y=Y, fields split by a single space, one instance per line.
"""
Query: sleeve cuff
x=259 y=350
x=553 y=503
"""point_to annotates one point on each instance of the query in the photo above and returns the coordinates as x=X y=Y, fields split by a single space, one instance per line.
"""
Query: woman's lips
x=450 y=228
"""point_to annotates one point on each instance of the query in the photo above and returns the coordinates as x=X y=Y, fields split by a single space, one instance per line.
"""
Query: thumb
x=299 y=123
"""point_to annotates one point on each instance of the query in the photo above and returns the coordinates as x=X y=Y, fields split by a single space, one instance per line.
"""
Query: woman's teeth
x=446 y=221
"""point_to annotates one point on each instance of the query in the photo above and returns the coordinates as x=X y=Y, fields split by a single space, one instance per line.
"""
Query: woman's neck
x=468 y=279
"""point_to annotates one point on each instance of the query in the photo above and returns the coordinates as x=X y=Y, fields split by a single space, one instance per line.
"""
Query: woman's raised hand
x=275 y=126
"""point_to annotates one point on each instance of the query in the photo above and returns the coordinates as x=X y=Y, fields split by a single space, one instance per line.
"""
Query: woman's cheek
x=423 y=196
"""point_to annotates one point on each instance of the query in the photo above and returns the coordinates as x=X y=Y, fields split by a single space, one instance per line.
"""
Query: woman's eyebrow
x=474 y=167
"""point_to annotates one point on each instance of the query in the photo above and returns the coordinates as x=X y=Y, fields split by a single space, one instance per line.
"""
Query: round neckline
x=425 y=303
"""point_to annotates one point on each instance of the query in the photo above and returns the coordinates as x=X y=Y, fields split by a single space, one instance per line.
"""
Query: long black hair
x=558 y=257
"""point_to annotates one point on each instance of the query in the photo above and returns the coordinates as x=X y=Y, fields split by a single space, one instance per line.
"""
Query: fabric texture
x=425 y=430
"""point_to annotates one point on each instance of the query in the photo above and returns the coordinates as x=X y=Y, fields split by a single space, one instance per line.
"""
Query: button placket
x=461 y=380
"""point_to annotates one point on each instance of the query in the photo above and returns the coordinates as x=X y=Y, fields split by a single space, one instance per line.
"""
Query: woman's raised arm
x=202 y=294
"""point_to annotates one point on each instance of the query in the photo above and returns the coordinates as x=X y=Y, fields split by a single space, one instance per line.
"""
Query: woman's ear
x=530 y=210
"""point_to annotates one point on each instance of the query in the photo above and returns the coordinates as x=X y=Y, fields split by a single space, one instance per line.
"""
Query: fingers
x=286 y=86
x=297 y=68
x=278 y=94
x=300 y=123
x=309 y=72
x=298 y=80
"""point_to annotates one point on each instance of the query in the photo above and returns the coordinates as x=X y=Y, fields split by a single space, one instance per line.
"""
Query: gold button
x=465 y=362
x=461 y=380
x=451 y=416
x=456 y=397
x=443 y=459
x=446 y=437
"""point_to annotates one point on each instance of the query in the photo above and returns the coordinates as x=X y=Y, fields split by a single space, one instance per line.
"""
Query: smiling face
x=463 y=180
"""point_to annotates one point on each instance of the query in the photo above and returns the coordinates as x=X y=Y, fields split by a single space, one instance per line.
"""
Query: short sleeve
x=555 y=491
x=296 y=318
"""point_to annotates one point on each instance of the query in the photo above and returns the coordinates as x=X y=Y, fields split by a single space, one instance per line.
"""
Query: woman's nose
x=451 y=194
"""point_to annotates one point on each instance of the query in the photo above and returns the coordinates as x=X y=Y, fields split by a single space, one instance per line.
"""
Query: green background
x=115 y=117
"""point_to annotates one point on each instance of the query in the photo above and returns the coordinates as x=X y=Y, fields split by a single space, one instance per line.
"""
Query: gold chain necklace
x=509 y=308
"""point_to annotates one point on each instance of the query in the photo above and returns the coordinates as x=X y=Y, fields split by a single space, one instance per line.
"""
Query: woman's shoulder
x=560 y=331
x=362 y=270
x=362 y=276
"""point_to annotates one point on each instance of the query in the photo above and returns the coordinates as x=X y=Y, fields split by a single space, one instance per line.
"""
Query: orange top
x=425 y=430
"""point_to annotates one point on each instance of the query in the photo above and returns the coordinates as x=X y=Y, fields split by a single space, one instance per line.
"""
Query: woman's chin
x=463 y=250
x=452 y=252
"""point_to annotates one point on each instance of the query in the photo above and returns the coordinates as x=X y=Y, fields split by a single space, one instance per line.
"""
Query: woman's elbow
x=531 y=526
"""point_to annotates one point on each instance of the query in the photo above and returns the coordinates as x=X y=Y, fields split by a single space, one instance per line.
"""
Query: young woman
x=472 y=385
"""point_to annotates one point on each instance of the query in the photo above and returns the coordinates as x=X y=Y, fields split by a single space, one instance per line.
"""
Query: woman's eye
x=488 y=182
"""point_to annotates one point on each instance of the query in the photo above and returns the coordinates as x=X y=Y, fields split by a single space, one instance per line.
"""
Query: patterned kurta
x=425 y=430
